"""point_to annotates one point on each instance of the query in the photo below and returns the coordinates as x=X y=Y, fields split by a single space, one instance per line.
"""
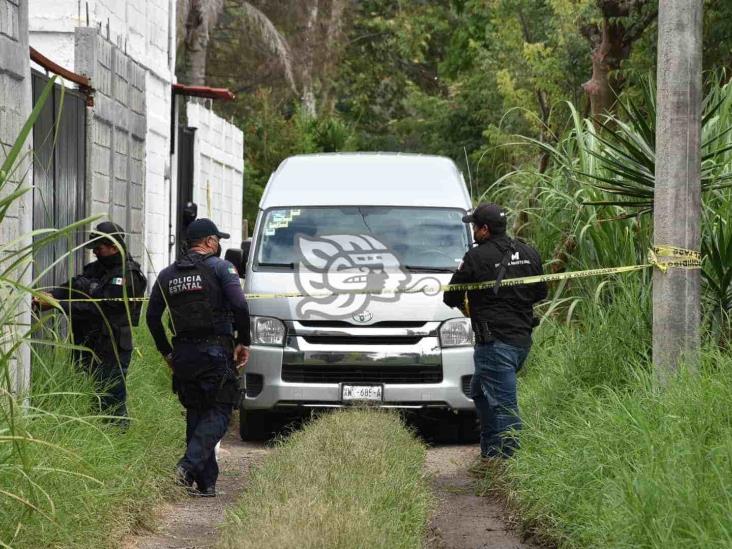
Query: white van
x=331 y=228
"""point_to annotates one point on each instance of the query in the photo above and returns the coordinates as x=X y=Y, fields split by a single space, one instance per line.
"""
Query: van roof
x=359 y=179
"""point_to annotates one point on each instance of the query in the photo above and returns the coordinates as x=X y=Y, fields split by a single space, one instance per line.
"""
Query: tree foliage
x=460 y=78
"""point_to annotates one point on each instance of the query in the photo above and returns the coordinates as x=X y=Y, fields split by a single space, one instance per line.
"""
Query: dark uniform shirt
x=95 y=323
x=509 y=314
x=233 y=295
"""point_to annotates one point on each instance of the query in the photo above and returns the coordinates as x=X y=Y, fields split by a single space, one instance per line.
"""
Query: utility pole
x=677 y=199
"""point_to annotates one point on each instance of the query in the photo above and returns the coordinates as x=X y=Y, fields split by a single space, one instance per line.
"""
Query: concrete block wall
x=218 y=182
x=145 y=31
x=15 y=106
x=158 y=174
x=117 y=139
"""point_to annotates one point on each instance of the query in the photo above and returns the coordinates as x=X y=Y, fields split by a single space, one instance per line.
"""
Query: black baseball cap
x=102 y=233
x=489 y=214
x=201 y=228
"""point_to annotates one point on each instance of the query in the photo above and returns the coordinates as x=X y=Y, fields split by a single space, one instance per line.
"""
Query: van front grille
x=357 y=374
x=362 y=340
x=344 y=324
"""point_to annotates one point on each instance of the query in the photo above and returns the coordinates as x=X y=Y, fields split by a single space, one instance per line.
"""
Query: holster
x=229 y=392
x=482 y=332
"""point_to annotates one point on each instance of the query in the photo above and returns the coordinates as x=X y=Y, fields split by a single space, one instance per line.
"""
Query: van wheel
x=255 y=425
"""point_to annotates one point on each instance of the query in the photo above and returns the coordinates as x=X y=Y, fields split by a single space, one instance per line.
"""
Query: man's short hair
x=197 y=242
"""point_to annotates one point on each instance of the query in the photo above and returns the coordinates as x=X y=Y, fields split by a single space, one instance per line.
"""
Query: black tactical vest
x=195 y=300
x=130 y=268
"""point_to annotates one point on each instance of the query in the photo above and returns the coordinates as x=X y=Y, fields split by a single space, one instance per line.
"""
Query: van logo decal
x=363 y=317
x=344 y=262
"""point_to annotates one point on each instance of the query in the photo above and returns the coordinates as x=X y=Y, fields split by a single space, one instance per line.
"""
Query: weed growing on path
x=349 y=479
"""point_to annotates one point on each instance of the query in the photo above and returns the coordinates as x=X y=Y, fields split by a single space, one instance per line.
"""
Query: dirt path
x=192 y=522
x=462 y=519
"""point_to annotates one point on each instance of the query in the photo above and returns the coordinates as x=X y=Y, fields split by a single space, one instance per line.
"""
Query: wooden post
x=677 y=200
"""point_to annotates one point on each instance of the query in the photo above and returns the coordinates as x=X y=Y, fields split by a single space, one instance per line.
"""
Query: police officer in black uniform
x=104 y=327
x=502 y=319
x=209 y=319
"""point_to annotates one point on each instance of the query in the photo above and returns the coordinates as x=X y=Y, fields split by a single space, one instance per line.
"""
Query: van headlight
x=456 y=332
x=267 y=331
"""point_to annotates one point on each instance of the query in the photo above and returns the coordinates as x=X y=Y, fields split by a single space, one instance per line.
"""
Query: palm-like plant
x=626 y=156
x=717 y=276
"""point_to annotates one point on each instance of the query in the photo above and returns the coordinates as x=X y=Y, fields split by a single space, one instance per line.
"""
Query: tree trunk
x=333 y=36
x=677 y=199
x=623 y=22
x=202 y=17
x=604 y=59
x=308 y=62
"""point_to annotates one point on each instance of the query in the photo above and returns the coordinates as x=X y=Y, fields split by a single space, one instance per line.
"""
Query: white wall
x=145 y=30
x=15 y=106
x=218 y=182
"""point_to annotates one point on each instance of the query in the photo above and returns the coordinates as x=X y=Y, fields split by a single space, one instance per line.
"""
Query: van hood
x=365 y=309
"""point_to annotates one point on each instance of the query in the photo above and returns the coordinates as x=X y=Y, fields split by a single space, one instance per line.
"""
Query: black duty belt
x=225 y=340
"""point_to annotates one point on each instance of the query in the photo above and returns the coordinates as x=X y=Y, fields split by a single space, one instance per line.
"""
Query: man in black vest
x=502 y=319
x=209 y=319
x=105 y=326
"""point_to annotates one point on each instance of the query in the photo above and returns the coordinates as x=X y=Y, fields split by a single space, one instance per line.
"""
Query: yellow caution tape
x=673 y=257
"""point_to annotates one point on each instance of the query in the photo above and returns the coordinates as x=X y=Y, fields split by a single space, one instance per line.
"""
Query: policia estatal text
x=209 y=318
x=502 y=319
x=104 y=326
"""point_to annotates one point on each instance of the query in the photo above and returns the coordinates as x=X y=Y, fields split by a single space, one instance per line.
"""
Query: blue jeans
x=199 y=371
x=493 y=389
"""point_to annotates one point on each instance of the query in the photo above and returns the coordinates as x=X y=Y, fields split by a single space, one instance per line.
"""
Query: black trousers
x=109 y=372
x=199 y=376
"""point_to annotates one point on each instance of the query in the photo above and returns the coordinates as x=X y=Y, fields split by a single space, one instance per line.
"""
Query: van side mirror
x=235 y=256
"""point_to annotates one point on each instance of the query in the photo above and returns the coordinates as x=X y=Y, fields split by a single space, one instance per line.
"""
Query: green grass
x=90 y=482
x=607 y=459
x=350 y=479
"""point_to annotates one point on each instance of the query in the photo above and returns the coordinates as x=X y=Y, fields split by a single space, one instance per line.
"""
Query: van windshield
x=420 y=238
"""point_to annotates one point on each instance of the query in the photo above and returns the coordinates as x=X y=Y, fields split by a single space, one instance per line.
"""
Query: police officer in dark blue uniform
x=209 y=319
x=104 y=326
x=502 y=319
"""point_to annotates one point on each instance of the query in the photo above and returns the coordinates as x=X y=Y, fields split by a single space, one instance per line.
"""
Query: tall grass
x=350 y=479
x=609 y=461
x=88 y=481
x=68 y=478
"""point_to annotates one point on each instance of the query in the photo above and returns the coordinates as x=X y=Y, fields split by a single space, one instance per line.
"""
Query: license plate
x=362 y=392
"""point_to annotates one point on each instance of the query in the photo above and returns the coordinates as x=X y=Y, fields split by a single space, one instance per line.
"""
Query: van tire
x=469 y=427
x=255 y=425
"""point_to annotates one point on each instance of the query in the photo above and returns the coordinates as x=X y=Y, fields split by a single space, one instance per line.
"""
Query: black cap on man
x=490 y=215
x=106 y=233
x=201 y=228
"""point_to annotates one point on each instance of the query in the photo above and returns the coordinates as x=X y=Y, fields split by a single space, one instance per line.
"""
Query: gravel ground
x=463 y=520
x=193 y=522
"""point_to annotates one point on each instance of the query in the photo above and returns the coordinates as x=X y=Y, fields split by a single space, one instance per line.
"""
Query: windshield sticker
x=280 y=219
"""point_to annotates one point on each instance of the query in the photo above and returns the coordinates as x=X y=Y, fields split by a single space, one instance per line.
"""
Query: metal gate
x=186 y=140
x=59 y=179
